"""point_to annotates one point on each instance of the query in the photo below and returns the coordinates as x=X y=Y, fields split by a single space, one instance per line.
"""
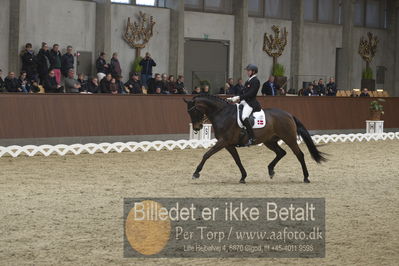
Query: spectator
x=43 y=62
x=93 y=86
x=34 y=86
x=331 y=88
x=165 y=84
x=71 y=84
x=29 y=64
x=1 y=81
x=113 y=86
x=83 y=82
x=67 y=61
x=180 y=85
x=270 y=88
x=11 y=83
x=23 y=82
x=171 y=86
x=121 y=86
x=354 y=93
x=134 y=85
x=310 y=91
x=105 y=84
x=102 y=67
x=236 y=90
x=321 y=88
x=154 y=83
x=227 y=87
x=158 y=90
x=365 y=93
x=197 y=90
x=51 y=85
x=147 y=63
x=205 y=90
x=55 y=62
x=115 y=66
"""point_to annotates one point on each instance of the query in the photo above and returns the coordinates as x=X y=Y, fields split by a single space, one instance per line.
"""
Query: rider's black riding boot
x=250 y=132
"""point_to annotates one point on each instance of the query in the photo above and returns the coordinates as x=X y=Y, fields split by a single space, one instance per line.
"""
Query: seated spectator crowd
x=318 y=88
x=51 y=72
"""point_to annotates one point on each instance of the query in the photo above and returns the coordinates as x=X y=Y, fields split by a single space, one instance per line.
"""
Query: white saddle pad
x=259 y=118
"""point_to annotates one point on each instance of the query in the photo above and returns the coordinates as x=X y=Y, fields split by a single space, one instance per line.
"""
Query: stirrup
x=250 y=142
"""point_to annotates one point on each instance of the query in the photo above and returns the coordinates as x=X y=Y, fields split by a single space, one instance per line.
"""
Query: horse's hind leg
x=301 y=158
x=233 y=151
x=280 y=153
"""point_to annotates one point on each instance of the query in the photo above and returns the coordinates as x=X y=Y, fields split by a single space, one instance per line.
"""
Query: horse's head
x=196 y=114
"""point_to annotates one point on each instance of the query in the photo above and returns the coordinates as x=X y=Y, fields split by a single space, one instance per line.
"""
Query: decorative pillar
x=176 y=46
x=347 y=56
x=103 y=27
x=240 y=9
x=297 y=9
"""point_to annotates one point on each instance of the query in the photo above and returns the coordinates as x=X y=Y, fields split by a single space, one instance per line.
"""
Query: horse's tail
x=303 y=132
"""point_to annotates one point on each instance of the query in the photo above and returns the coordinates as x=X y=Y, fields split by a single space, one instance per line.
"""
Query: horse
x=280 y=125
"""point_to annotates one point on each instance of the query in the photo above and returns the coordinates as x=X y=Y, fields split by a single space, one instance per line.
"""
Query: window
x=323 y=11
x=373 y=14
x=359 y=13
x=255 y=8
x=121 y=1
x=218 y=6
x=270 y=8
x=309 y=11
x=326 y=11
x=223 y=6
x=146 y=2
x=370 y=13
x=273 y=8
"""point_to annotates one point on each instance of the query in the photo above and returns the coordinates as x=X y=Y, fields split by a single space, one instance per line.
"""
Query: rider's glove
x=233 y=99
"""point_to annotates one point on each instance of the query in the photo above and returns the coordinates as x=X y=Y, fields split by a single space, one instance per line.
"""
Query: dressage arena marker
x=91 y=148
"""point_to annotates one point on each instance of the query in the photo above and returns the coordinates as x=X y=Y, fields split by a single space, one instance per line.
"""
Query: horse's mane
x=212 y=97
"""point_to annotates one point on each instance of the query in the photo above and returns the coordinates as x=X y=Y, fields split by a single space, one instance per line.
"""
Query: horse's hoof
x=242 y=181
x=271 y=174
x=306 y=180
x=196 y=175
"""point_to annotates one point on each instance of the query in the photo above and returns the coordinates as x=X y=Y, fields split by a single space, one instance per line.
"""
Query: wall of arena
x=159 y=44
x=52 y=115
x=74 y=22
x=62 y=22
x=257 y=28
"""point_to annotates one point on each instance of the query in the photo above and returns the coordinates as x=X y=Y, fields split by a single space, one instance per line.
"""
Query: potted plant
x=367 y=79
x=279 y=73
x=367 y=51
x=136 y=65
x=376 y=109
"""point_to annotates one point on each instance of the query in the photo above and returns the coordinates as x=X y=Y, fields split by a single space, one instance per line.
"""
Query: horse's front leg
x=218 y=146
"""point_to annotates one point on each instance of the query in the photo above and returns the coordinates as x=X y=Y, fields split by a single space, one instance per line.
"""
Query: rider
x=248 y=100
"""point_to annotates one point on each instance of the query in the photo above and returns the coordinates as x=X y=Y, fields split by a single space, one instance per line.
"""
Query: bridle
x=204 y=117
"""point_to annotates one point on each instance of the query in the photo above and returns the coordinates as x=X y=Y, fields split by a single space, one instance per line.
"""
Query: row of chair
x=348 y=93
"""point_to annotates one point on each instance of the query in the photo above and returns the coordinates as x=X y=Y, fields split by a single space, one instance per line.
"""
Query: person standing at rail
x=146 y=71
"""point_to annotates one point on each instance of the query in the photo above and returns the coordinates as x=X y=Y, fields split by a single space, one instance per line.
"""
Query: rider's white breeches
x=247 y=110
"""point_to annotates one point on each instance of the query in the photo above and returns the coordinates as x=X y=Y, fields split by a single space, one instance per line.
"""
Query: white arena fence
x=92 y=148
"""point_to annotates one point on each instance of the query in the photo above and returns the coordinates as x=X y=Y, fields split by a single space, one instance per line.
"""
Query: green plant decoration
x=367 y=73
x=377 y=106
x=136 y=65
x=278 y=70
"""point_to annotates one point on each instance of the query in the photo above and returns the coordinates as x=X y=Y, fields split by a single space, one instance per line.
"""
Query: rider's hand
x=233 y=99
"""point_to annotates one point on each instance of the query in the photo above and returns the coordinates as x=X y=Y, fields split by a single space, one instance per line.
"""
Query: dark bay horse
x=280 y=125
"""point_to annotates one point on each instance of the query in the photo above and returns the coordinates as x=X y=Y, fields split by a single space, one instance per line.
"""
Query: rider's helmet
x=252 y=67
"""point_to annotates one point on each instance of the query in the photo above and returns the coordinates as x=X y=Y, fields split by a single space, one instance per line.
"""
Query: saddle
x=256 y=119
